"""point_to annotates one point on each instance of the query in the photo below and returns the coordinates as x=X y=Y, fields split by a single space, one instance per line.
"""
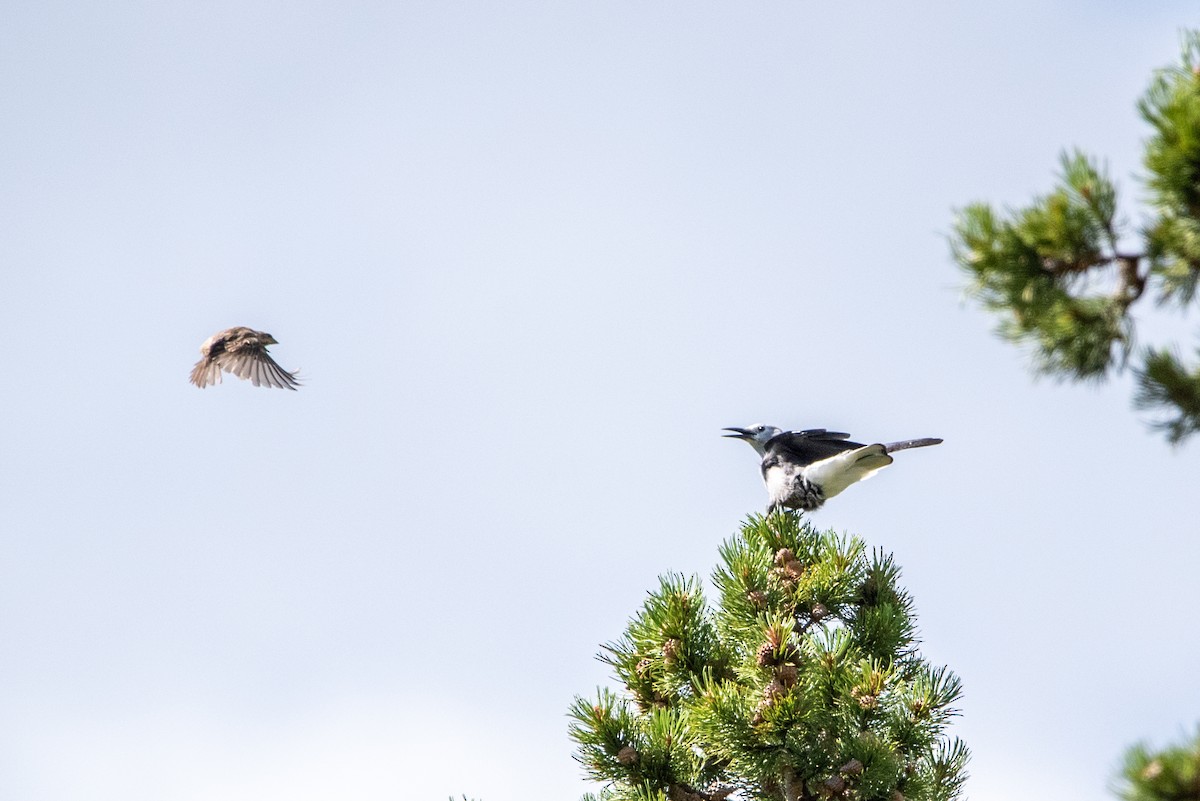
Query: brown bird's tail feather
x=206 y=372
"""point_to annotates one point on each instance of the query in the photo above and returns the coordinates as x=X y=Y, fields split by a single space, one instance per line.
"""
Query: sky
x=529 y=259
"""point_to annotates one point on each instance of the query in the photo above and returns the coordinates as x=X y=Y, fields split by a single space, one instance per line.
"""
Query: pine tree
x=804 y=682
x=1057 y=275
x=1172 y=774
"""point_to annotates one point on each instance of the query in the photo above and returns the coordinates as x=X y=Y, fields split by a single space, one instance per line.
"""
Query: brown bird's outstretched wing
x=243 y=352
x=249 y=359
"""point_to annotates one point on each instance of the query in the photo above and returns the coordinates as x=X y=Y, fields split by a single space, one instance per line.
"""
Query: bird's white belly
x=780 y=480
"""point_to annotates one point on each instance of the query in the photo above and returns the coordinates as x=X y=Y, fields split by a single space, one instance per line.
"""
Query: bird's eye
x=760 y=429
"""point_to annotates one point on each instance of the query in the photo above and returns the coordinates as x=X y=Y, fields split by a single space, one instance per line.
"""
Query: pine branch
x=792 y=789
x=1166 y=386
x=1172 y=774
x=1133 y=282
x=685 y=792
x=1043 y=269
x=803 y=681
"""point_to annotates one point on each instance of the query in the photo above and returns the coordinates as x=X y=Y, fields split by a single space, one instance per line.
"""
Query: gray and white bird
x=243 y=352
x=803 y=469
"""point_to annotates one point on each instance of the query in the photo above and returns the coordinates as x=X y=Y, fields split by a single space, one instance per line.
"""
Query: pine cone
x=757 y=598
x=866 y=700
x=774 y=691
x=770 y=654
x=852 y=768
x=794 y=569
x=682 y=793
x=628 y=755
x=670 y=650
x=783 y=556
x=835 y=785
x=820 y=612
x=787 y=675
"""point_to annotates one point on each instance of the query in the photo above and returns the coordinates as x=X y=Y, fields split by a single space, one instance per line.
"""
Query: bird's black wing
x=818 y=432
x=805 y=447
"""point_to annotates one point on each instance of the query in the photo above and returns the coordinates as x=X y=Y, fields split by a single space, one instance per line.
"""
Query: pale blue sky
x=484 y=232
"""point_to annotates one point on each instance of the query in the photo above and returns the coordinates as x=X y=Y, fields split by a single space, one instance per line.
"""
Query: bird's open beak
x=739 y=433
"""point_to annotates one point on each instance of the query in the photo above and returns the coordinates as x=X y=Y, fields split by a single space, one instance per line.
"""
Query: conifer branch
x=802 y=681
x=1170 y=774
x=1132 y=282
x=1041 y=268
x=790 y=783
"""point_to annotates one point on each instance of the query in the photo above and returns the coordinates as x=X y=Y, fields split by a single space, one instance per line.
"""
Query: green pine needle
x=805 y=671
x=1056 y=275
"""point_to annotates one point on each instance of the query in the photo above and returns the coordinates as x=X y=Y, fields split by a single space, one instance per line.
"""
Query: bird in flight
x=243 y=352
x=803 y=469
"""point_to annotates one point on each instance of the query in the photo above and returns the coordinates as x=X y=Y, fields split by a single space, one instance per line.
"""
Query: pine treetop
x=803 y=681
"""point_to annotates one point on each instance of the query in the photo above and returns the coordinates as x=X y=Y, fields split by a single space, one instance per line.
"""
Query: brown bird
x=243 y=352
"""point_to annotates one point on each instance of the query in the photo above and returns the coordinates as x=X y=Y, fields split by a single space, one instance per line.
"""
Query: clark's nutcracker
x=803 y=469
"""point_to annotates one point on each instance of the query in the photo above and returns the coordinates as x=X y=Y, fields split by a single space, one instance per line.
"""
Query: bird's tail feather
x=205 y=373
x=904 y=444
x=836 y=473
